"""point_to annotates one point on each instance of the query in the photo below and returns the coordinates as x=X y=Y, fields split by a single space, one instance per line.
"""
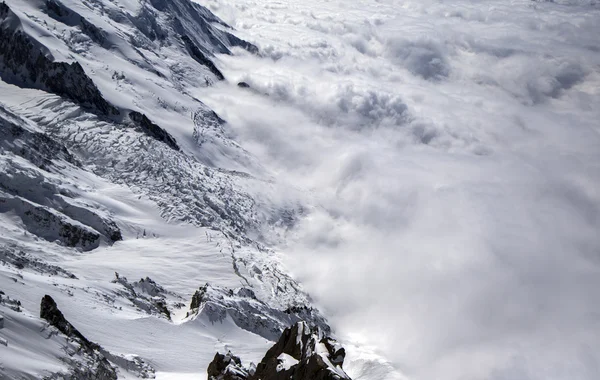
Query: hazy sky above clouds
x=448 y=153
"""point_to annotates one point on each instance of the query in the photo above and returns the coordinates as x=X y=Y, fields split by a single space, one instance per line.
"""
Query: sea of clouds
x=448 y=153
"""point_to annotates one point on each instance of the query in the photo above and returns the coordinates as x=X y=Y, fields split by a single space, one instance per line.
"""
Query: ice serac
x=46 y=208
x=301 y=353
x=28 y=63
x=98 y=368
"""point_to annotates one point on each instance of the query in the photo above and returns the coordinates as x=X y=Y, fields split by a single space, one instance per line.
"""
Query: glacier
x=418 y=179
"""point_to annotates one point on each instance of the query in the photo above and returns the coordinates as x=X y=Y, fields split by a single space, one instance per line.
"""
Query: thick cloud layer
x=449 y=153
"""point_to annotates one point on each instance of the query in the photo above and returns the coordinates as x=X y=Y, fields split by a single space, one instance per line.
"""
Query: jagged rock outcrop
x=227 y=367
x=153 y=130
x=249 y=312
x=97 y=366
x=146 y=295
x=301 y=353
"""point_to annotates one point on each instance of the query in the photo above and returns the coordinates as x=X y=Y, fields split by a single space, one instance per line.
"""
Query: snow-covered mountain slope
x=125 y=199
x=428 y=170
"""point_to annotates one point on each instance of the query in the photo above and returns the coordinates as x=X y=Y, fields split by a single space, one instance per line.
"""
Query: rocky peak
x=227 y=367
x=301 y=353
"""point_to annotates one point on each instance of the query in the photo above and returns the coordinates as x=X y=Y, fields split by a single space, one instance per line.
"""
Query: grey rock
x=201 y=57
x=227 y=367
x=318 y=358
x=146 y=295
x=49 y=224
x=98 y=367
x=153 y=130
x=301 y=353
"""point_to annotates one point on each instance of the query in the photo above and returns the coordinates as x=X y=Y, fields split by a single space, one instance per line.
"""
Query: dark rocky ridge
x=50 y=225
x=23 y=260
x=27 y=63
x=36 y=147
x=301 y=353
x=99 y=368
x=201 y=58
x=146 y=295
x=153 y=130
x=61 y=13
x=191 y=23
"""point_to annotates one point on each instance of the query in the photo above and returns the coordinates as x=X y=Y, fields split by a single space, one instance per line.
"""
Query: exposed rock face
x=97 y=366
x=50 y=312
x=146 y=295
x=301 y=353
x=153 y=130
x=201 y=58
x=22 y=260
x=26 y=62
x=36 y=147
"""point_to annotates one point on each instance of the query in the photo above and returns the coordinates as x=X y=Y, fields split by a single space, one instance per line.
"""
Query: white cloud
x=450 y=159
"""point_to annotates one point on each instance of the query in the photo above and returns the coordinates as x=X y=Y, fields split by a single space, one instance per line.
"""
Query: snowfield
x=421 y=179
